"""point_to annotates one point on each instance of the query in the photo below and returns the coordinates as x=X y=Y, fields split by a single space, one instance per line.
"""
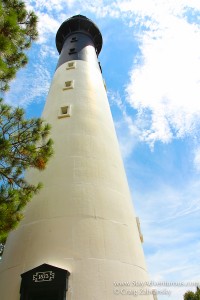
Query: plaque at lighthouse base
x=45 y=282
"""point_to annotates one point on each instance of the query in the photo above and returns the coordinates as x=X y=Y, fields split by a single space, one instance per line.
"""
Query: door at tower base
x=45 y=282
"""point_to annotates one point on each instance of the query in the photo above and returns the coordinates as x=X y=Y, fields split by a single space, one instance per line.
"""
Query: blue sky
x=151 y=64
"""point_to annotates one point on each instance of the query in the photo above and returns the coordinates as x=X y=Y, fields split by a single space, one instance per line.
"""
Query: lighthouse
x=80 y=238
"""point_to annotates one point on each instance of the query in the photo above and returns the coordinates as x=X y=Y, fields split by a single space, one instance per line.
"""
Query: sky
x=151 y=64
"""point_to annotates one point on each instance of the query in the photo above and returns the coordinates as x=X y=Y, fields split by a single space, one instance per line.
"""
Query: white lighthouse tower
x=80 y=238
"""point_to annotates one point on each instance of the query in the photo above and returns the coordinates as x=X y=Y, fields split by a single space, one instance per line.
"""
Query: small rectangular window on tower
x=74 y=39
x=71 y=65
x=72 y=50
x=69 y=85
x=64 y=111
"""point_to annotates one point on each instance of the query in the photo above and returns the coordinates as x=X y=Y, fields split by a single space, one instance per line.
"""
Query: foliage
x=17 y=31
x=192 y=296
x=189 y=295
x=23 y=144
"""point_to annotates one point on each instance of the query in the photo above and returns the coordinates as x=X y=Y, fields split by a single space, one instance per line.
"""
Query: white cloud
x=50 y=16
x=49 y=51
x=127 y=131
x=165 y=88
x=47 y=25
x=197 y=159
x=169 y=219
x=50 y=5
x=35 y=86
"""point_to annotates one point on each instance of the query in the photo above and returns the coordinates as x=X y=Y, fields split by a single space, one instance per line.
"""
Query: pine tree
x=17 y=31
x=189 y=295
x=23 y=144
